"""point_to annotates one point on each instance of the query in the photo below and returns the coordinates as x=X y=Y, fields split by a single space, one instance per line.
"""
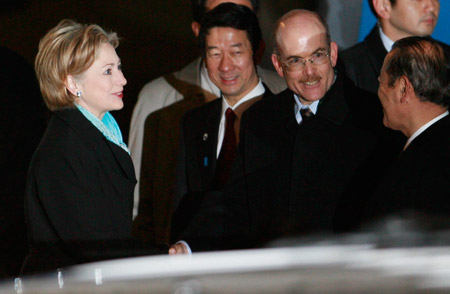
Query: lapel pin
x=205 y=136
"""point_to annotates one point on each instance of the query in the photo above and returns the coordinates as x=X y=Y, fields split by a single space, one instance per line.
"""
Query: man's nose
x=226 y=63
x=431 y=6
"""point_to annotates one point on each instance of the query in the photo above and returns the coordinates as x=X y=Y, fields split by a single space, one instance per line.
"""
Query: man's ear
x=333 y=53
x=195 y=28
x=405 y=88
x=71 y=85
x=383 y=8
x=277 y=64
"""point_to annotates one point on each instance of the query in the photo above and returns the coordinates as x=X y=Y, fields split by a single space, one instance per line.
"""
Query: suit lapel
x=333 y=105
x=284 y=115
x=95 y=139
x=123 y=159
x=207 y=141
x=422 y=140
x=375 y=50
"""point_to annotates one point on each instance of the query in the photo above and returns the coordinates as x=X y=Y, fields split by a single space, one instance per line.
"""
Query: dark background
x=156 y=36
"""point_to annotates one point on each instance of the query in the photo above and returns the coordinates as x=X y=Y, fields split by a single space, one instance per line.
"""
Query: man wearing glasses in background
x=303 y=164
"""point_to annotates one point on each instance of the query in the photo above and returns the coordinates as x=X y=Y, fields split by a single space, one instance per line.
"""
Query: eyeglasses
x=297 y=63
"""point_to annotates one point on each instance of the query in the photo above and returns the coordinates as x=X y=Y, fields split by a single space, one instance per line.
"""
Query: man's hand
x=178 y=248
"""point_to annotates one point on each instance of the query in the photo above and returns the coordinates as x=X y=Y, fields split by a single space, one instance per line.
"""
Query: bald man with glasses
x=306 y=160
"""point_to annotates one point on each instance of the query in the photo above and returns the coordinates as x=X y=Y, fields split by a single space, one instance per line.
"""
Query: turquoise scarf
x=107 y=126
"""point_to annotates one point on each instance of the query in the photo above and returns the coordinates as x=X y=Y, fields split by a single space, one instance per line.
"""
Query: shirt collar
x=257 y=91
x=313 y=106
x=423 y=128
x=387 y=43
x=205 y=81
x=299 y=105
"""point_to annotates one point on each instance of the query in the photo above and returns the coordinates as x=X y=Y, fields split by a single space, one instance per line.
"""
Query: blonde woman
x=79 y=196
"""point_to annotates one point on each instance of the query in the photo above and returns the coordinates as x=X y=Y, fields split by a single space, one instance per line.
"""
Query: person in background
x=79 y=191
x=415 y=93
x=229 y=37
x=396 y=19
x=155 y=131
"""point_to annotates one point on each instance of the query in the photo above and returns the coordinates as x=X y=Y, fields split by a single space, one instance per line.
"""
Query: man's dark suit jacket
x=289 y=178
x=420 y=179
x=197 y=159
x=79 y=196
x=364 y=60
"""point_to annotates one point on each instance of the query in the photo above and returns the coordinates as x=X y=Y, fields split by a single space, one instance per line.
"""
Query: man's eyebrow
x=233 y=45
x=316 y=51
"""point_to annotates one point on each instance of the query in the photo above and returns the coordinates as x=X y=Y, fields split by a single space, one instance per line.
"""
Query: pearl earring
x=78 y=94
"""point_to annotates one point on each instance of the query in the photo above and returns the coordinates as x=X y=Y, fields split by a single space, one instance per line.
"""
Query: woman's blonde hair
x=70 y=48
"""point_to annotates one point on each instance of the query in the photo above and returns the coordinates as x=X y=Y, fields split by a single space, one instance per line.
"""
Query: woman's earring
x=78 y=94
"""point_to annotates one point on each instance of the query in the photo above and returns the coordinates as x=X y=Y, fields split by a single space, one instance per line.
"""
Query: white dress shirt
x=257 y=91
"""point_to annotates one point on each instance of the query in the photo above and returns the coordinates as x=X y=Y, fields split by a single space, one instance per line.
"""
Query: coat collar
x=332 y=106
x=441 y=127
x=95 y=140
x=191 y=73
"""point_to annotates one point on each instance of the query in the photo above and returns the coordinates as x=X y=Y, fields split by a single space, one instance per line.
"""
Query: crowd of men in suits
x=304 y=160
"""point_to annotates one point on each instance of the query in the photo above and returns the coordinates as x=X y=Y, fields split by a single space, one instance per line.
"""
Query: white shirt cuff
x=186 y=245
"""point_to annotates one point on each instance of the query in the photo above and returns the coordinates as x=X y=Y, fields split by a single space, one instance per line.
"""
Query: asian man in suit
x=415 y=93
x=155 y=125
x=230 y=38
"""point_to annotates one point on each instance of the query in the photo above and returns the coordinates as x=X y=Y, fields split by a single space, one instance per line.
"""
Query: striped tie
x=306 y=113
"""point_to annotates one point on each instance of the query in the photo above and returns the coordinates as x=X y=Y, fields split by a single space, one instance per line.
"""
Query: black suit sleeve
x=185 y=202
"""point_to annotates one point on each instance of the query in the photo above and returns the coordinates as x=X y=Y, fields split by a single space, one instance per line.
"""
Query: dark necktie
x=306 y=113
x=227 y=152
